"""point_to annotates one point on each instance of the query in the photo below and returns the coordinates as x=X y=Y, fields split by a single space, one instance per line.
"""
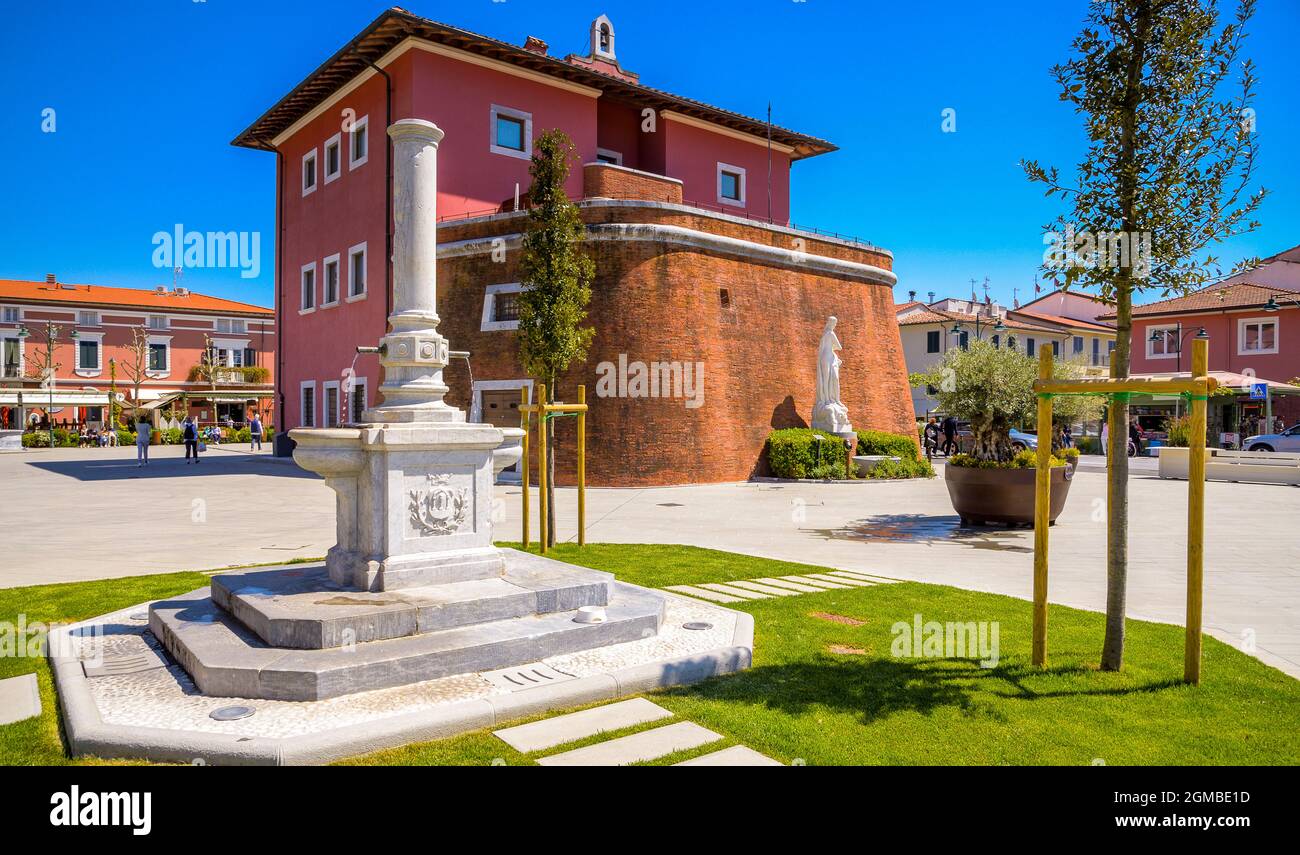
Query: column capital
x=420 y=130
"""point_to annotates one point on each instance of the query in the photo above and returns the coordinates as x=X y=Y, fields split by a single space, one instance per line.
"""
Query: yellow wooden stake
x=582 y=467
x=541 y=468
x=1196 y=517
x=525 y=419
x=1042 y=511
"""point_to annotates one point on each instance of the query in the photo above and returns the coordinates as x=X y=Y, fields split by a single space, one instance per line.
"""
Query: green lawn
x=803 y=703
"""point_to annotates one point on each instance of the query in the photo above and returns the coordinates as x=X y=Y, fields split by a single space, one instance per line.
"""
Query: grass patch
x=801 y=702
x=37 y=741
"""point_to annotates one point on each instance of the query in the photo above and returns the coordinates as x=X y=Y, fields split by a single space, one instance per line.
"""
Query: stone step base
x=300 y=607
x=227 y=660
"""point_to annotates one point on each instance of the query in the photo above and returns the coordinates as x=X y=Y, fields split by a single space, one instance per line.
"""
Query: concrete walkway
x=72 y=514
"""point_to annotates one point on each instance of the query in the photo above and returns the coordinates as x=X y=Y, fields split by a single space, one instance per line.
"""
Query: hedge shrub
x=910 y=464
x=793 y=453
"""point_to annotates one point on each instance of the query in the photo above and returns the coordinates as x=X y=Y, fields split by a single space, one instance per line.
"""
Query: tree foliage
x=555 y=270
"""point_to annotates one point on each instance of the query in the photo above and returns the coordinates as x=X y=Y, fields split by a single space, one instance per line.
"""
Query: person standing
x=949 y=436
x=1105 y=438
x=1135 y=436
x=190 y=434
x=255 y=433
x=931 y=437
x=142 y=429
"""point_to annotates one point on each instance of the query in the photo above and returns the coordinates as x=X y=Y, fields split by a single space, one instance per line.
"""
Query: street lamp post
x=1180 y=337
x=51 y=339
x=956 y=330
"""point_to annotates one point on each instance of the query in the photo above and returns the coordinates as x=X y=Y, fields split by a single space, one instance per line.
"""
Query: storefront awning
x=1229 y=382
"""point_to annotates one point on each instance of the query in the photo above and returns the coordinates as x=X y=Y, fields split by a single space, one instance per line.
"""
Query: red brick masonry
x=659 y=296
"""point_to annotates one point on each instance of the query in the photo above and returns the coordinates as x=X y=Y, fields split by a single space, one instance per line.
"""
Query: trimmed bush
x=793 y=453
x=888 y=444
x=125 y=437
x=1027 y=459
x=1088 y=444
x=910 y=464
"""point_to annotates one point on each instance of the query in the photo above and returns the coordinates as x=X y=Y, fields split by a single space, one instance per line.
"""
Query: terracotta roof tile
x=1209 y=299
x=940 y=316
x=135 y=298
x=1064 y=321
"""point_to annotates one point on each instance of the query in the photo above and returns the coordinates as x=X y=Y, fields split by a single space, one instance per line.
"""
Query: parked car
x=1287 y=440
x=1022 y=441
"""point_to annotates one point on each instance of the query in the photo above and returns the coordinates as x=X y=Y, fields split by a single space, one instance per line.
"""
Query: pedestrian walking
x=255 y=433
x=931 y=437
x=1105 y=438
x=142 y=430
x=190 y=434
x=949 y=436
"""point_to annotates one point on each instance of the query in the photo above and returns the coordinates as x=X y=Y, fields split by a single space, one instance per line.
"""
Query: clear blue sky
x=148 y=96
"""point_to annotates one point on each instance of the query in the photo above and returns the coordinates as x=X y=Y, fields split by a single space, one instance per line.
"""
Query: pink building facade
x=491 y=99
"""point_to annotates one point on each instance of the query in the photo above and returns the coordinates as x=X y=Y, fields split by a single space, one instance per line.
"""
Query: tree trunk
x=1112 y=651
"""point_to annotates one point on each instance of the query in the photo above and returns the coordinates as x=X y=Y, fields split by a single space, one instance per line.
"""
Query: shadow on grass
x=873 y=689
x=921 y=528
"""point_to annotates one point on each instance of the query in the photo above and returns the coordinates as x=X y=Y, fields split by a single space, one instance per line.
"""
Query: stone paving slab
x=816 y=583
x=736 y=755
x=551 y=732
x=711 y=596
x=793 y=586
x=843 y=580
x=762 y=589
x=639 y=747
x=20 y=698
x=734 y=592
x=854 y=574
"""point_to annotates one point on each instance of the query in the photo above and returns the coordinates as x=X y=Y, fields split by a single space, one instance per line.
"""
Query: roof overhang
x=394 y=26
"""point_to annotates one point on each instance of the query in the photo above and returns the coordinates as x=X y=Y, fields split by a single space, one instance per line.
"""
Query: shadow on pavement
x=919 y=528
x=120 y=469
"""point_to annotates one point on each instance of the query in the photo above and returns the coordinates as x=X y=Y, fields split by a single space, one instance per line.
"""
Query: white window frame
x=490 y=305
x=1150 y=345
x=744 y=184
x=86 y=370
x=302 y=172
x=512 y=113
x=358 y=391
x=361 y=126
x=22 y=354
x=302 y=404
x=324 y=276
x=609 y=152
x=337 y=142
x=95 y=319
x=325 y=403
x=480 y=386
x=315 y=287
x=166 y=341
x=166 y=322
x=18 y=314
x=1242 y=323
x=353 y=252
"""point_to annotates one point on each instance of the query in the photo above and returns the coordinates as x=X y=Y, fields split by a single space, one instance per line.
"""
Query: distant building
x=176 y=324
x=1253 y=324
x=686 y=208
x=1064 y=320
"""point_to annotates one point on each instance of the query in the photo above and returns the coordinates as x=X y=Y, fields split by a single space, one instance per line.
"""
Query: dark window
x=250 y=356
x=308 y=416
x=730 y=185
x=997 y=341
x=331 y=159
x=607 y=158
x=332 y=406
x=724 y=298
x=505 y=307
x=157 y=357
x=11 y=352
x=331 y=282
x=357 y=283
x=308 y=288
x=309 y=173
x=1056 y=348
x=1029 y=346
x=510 y=132
x=604 y=38
x=1096 y=351
x=89 y=353
x=359 y=142
x=964 y=341
x=932 y=341
x=1078 y=344
x=358 y=401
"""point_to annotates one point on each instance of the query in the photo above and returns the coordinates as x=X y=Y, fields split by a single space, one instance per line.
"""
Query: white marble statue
x=829 y=413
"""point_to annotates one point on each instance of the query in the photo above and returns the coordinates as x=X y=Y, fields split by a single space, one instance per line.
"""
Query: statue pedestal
x=413 y=505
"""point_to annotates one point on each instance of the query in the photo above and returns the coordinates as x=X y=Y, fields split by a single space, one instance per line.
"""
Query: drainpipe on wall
x=279 y=282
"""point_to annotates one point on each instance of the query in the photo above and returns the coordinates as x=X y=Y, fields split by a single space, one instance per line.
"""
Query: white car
x=1287 y=440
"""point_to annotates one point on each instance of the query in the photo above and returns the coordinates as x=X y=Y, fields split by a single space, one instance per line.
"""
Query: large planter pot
x=1002 y=495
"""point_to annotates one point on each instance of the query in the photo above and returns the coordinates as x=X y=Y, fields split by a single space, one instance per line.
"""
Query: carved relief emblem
x=437 y=508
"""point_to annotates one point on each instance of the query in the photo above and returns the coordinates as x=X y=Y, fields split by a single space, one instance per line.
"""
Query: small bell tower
x=602 y=39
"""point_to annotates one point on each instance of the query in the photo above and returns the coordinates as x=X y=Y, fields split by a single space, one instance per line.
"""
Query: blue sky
x=148 y=95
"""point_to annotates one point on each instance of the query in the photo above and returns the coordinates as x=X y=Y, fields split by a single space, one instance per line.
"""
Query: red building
x=1253 y=324
x=96 y=329
x=696 y=263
